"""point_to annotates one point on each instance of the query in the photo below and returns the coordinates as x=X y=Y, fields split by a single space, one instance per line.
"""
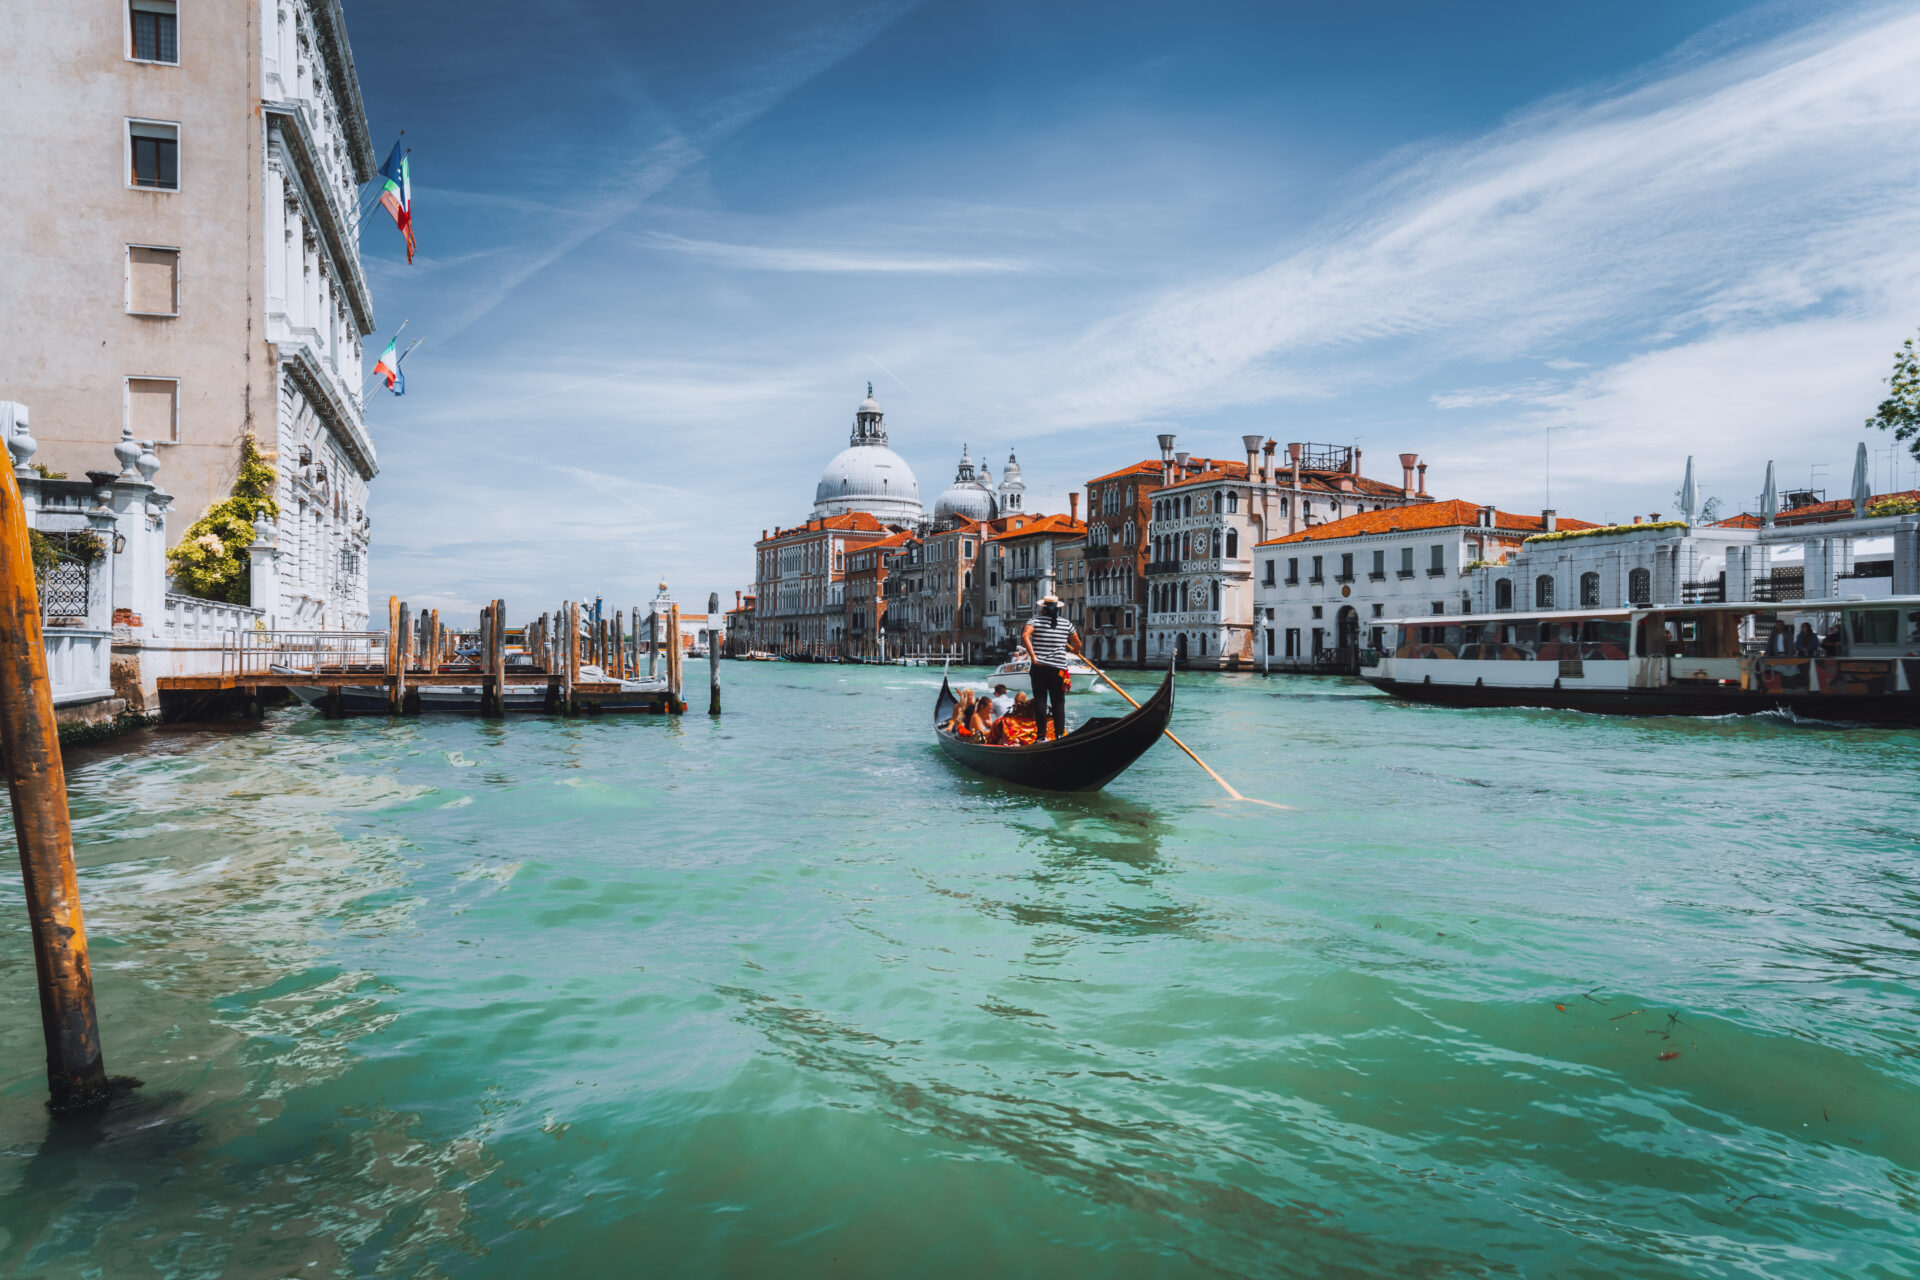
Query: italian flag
x=388 y=367
x=396 y=197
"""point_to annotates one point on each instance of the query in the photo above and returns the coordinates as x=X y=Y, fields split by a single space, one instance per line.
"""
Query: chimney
x=1166 y=457
x=1407 y=463
x=1489 y=517
x=1423 y=482
x=1294 y=451
x=1547 y=521
x=1353 y=462
x=1073 y=505
x=1636 y=519
x=1253 y=453
x=1180 y=461
x=1267 y=473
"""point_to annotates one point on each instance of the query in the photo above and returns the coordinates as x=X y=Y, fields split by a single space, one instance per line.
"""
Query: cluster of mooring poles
x=570 y=660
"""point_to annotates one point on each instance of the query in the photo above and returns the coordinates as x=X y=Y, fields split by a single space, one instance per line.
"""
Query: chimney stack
x=1267 y=473
x=1353 y=460
x=1489 y=517
x=1073 y=505
x=1636 y=519
x=1423 y=482
x=1166 y=457
x=1548 y=521
x=1252 y=444
x=1180 y=462
x=1294 y=451
x=1407 y=463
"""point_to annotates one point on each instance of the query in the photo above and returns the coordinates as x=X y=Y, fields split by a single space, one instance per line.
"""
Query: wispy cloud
x=786 y=258
x=1740 y=192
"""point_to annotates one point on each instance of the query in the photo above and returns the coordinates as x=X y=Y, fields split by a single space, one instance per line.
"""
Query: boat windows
x=1874 y=626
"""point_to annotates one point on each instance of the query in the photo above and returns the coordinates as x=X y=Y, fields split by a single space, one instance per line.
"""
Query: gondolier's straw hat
x=1049 y=598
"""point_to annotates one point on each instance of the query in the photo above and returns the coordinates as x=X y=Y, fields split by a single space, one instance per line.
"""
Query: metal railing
x=254 y=653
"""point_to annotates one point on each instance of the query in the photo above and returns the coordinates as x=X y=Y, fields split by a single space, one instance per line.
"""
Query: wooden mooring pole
x=37 y=786
x=713 y=654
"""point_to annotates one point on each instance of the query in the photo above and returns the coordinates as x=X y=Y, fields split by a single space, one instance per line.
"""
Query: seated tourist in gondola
x=961 y=721
x=1019 y=727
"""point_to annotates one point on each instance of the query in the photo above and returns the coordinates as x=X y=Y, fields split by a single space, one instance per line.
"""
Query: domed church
x=868 y=476
x=972 y=495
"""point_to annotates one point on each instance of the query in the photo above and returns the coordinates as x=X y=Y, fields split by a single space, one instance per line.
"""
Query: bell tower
x=869 y=426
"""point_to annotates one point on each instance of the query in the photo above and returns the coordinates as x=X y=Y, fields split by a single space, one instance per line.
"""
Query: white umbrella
x=1689 y=497
x=1769 y=500
x=1862 y=491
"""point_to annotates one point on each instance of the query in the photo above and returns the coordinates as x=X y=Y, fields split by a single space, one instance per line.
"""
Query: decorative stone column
x=263 y=562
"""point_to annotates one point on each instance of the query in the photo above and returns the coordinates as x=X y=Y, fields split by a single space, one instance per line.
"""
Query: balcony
x=1155 y=568
x=1343 y=577
x=1437 y=571
x=1316 y=580
x=1404 y=574
x=1293 y=581
x=1378 y=575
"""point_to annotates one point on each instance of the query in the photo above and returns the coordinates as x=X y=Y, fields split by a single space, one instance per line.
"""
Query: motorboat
x=1081 y=678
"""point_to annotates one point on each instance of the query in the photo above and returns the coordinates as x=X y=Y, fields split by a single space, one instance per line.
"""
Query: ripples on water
x=788 y=994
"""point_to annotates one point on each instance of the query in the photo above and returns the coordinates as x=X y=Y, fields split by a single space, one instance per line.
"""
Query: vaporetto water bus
x=1850 y=660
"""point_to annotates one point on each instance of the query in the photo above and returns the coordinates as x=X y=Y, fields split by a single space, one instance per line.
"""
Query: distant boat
x=1081 y=677
x=1085 y=760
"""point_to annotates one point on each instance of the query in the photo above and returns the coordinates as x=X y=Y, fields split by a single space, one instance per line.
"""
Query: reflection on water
x=1508 y=993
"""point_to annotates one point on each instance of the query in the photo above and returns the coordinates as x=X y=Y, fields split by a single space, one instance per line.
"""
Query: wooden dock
x=581 y=665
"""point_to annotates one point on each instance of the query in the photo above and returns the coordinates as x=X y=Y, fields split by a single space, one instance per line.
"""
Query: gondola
x=1085 y=760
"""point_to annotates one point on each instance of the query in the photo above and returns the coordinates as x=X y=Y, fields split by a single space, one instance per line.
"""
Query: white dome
x=870 y=478
x=964 y=501
x=869 y=405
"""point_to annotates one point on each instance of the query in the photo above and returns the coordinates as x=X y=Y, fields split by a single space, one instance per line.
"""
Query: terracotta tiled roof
x=849 y=522
x=1004 y=530
x=1151 y=467
x=1447 y=514
x=1817 y=513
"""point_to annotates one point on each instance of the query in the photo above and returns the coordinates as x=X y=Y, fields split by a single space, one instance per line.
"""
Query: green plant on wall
x=211 y=560
x=50 y=549
x=1893 y=505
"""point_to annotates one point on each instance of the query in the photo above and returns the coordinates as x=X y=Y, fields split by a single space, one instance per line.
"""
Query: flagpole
x=368 y=380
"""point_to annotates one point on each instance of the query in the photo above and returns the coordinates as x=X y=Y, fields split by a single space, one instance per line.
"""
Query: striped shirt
x=1049 y=639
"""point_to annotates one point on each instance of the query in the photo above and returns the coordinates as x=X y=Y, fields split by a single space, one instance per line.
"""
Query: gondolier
x=1048 y=638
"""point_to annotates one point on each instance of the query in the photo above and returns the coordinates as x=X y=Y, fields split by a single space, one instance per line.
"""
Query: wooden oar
x=1183 y=746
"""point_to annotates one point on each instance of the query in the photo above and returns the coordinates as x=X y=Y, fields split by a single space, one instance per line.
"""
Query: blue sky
x=663 y=248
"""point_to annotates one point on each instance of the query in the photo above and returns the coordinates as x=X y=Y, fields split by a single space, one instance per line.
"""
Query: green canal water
x=1507 y=993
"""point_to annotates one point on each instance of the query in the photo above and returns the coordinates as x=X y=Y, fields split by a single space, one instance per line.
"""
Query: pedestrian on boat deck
x=1834 y=641
x=1002 y=700
x=1806 y=644
x=1048 y=638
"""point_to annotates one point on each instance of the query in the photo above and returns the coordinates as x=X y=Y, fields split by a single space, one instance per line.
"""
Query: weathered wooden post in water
x=37 y=786
x=713 y=654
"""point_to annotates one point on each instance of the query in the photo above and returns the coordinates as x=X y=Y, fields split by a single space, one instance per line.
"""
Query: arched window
x=1213 y=597
x=1640 y=587
x=1186 y=504
x=1589 y=590
x=1216 y=544
x=1183 y=597
x=1503 y=593
x=1233 y=503
x=1233 y=541
x=1543 y=591
x=1219 y=501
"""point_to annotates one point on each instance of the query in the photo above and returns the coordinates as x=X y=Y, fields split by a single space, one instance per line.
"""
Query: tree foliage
x=1900 y=412
x=211 y=560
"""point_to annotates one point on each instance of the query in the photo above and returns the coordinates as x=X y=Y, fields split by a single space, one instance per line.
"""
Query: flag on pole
x=388 y=367
x=396 y=197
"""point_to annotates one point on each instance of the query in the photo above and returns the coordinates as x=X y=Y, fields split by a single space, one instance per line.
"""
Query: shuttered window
x=153 y=281
x=153 y=408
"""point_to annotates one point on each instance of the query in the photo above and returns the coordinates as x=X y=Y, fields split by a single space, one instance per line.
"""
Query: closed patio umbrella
x=1862 y=491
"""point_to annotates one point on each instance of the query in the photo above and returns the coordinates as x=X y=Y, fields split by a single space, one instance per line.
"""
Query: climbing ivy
x=210 y=561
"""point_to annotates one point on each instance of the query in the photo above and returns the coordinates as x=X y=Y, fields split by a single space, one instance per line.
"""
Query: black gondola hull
x=1085 y=760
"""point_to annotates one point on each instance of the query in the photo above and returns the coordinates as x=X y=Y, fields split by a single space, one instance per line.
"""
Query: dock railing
x=256 y=653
